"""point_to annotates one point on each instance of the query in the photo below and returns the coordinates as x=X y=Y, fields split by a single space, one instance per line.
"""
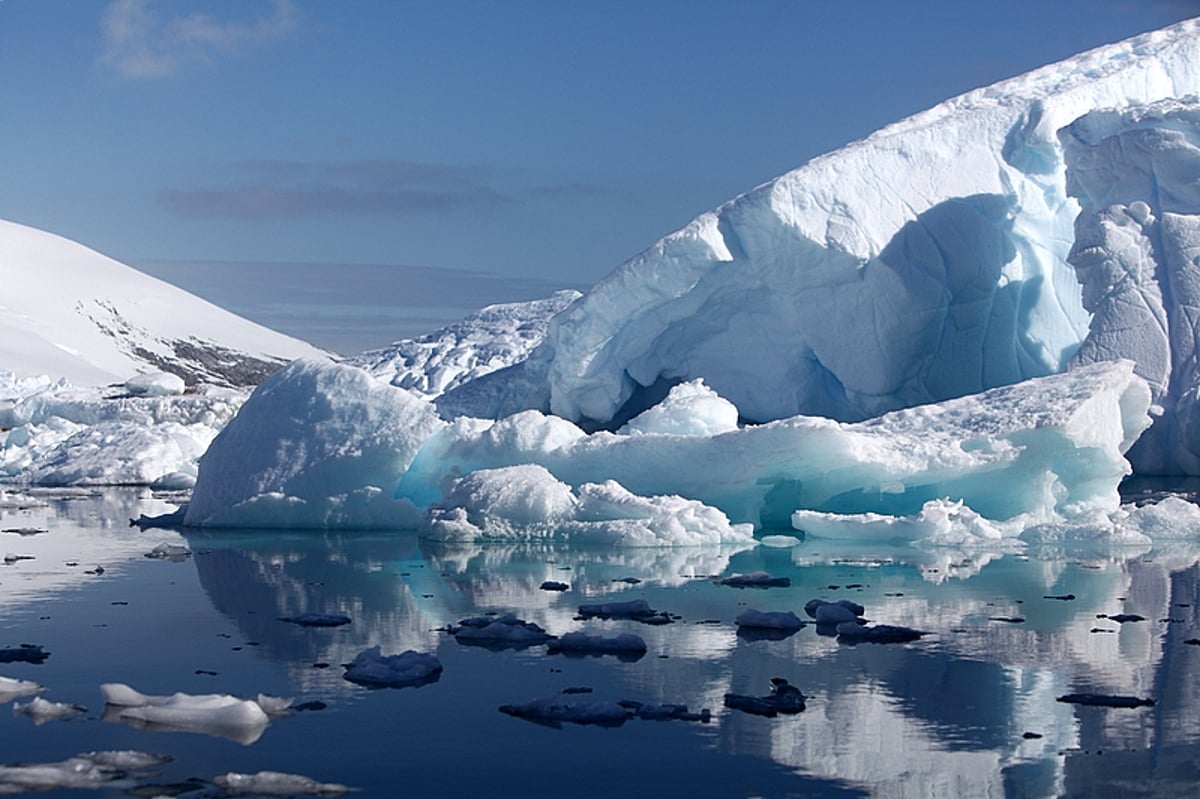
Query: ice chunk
x=11 y=688
x=579 y=643
x=851 y=632
x=553 y=711
x=316 y=445
x=317 y=619
x=768 y=620
x=500 y=632
x=526 y=502
x=42 y=710
x=755 y=580
x=168 y=551
x=690 y=409
x=635 y=609
x=89 y=770
x=155 y=384
x=784 y=698
x=222 y=715
x=409 y=668
x=276 y=783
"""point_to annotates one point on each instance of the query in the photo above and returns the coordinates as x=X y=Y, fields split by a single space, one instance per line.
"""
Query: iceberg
x=222 y=715
x=316 y=435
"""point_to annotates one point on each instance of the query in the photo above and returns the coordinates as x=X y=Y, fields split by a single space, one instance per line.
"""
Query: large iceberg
x=928 y=261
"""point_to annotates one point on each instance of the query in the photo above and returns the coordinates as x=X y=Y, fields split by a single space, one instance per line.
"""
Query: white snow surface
x=926 y=262
x=70 y=312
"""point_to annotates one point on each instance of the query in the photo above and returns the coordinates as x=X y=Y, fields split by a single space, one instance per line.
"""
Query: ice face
x=1136 y=174
x=926 y=262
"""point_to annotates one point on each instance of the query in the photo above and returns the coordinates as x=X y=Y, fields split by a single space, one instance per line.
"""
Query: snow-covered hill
x=69 y=312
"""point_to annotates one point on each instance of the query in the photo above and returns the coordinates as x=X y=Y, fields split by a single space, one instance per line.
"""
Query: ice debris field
x=971 y=325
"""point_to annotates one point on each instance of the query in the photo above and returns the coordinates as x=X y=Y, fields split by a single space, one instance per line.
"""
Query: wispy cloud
x=289 y=189
x=143 y=39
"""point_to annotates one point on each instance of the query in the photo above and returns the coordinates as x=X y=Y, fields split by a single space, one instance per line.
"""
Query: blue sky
x=528 y=144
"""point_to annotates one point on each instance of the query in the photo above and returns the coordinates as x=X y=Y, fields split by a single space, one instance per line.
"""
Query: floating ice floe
x=88 y=770
x=42 y=710
x=221 y=715
x=784 y=698
x=624 y=645
x=634 y=609
x=852 y=632
x=176 y=553
x=827 y=613
x=25 y=653
x=779 y=620
x=505 y=631
x=277 y=783
x=1106 y=700
x=755 y=580
x=317 y=619
x=555 y=711
x=11 y=688
x=407 y=669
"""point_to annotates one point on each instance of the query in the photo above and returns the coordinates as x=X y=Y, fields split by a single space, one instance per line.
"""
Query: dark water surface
x=946 y=716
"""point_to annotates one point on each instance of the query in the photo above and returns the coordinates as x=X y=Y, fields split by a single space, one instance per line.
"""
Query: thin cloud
x=141 y=40
x=292 y=189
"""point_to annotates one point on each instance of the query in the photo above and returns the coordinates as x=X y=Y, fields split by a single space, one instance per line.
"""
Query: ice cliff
x=931 y=260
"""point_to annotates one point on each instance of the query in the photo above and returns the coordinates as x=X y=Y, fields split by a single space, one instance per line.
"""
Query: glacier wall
x=925 y=262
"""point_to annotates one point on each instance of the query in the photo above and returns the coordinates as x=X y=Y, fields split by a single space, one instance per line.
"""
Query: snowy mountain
x=928 y=261
x=69 y=312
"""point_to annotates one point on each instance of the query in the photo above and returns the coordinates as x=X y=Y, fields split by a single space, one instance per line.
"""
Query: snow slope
x=69 y=312
x=925 y=262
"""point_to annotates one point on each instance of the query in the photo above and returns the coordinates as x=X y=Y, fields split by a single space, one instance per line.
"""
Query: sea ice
x=409 y=668
x=11 y=688
x=155 y=384
x=784 y=698
x=579 y=643
x=505 y=631
x=635 y=609
x=755 y=580
x=88 y=770
x=42 y=710
x=276 y=783
x=222 y=715
x=768 y=620
x=317 y=619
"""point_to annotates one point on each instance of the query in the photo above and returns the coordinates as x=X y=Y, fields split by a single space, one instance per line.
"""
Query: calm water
x=945 y=716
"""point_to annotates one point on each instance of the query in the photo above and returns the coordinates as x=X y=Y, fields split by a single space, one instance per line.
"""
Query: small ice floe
x=851 y=632
x=773 y=625
x=221 y=715
x=163 y=521
x=25 y=653
x=1121 y=618
x=11 y=688
x=177 y=553
x=502 y=632
x=42 y=710
x=1106 y=700
x=317 y=619
x=554 y=712
x=25 y=531
x=624 y=646
x=277 y=783
x=554 y=585
x=10 y=558
x=634 y=609
x=407 y=669
x=784 y=698
x=779 y=541
x=831 y=614
x=755 y=580
x=88 y=770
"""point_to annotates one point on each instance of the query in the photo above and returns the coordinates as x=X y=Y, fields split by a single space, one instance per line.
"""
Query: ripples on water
x=970 y=709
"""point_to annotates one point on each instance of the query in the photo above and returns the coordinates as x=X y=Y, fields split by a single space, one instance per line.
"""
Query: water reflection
x=969 y=707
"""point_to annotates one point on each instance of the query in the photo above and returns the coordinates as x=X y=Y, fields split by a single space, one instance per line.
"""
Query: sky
x=264 y=153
